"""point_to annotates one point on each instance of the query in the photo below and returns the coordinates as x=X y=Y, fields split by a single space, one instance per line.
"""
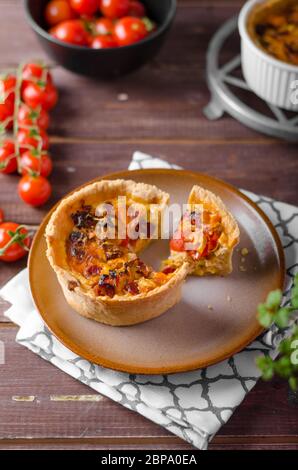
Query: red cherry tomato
x=14 y=242
x=114 y=8
x=136 y=9
x=6 y=113
x=34 y=190
x=35 y=95
x=34 y=73
x=8 y=161
x=213 y=241
x=169 y=270
x=7 y=95
x=177 y=244
x=7 y=85
x=30 y=138
x=33 y=117
x=84 y=7
x=1 y=216
x=103 y=42
x=57 y=11
x=71 y=31
x=103 y=26
x=129 y=30
x=32 y=162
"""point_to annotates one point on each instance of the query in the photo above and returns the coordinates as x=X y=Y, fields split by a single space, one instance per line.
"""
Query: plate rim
x=131 y=369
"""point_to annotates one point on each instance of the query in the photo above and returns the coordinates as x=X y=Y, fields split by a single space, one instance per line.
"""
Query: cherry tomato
x=177 y=244
x=30 y=117
x=8 y=161
x=6 y=113
x=7 y=85
x=129 y=30
x=35 y=73
x=84 y=7
x=32 y=162
x=14 y=241
x=35 y=95
x=1 y=216
x=103 y=42
x=7 y=95
x=136 y=9
x=114 y=8
x=103 y=26
x=71 y=31
x=57 y=11
x=34 y=190
x=169 y=270
x=213 y=241
x=30 y=138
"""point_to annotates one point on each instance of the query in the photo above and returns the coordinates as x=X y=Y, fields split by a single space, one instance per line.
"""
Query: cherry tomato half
x=9 y=231
x=30 y=138
x=114 y=8
x=103 y=42
x=136 y=9
x=71 y=31
x=57 y=11
x=33 y=117
x=84 y=7
x=8 y=161
x=129 y=30
x=33 y=162
x=35 y=95
x=103 y=26
x=177 y=244
x=34 y=190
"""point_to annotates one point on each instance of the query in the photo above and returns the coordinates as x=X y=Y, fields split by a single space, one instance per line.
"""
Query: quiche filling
x=198 y=234
x=277 y=31
x=111 y=266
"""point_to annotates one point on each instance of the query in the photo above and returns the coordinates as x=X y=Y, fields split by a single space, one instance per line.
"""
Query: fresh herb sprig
x=286 y=365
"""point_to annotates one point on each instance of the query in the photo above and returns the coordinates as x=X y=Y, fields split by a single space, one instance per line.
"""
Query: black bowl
x=103 y=63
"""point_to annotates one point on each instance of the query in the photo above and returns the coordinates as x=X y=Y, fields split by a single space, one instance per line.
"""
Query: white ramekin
x=271 y=79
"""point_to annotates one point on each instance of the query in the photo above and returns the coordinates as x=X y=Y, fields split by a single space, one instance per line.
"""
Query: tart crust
x=220 y=262
x=121 y=309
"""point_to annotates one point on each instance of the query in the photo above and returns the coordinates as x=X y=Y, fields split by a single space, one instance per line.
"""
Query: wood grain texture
x=93 y=133
x=98 y=424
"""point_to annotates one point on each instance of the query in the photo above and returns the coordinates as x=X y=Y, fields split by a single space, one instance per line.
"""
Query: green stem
x=17 y=238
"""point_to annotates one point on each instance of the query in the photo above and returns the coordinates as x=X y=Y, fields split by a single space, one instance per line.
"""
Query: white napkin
x=192 y=405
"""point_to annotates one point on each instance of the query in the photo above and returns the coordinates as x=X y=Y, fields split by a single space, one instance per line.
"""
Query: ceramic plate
x=215 y=318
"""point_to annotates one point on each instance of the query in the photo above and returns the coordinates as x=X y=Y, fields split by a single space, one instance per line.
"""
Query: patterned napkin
x=192 y=405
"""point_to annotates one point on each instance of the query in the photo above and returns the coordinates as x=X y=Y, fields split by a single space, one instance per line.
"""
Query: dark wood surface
x=93 y=133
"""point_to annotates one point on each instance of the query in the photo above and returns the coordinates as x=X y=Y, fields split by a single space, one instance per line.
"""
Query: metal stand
x=224 y=99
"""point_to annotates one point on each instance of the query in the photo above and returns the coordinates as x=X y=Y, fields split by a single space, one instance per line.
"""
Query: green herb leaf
x=295 y=302
x=265 y=364
x=293 y=382
x=274 y=299
x=264 y=316
x=283 y=366
x=281 y=318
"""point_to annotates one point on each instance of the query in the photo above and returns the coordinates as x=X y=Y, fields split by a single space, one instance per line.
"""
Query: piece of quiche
x=206 y=236
x=99 y=268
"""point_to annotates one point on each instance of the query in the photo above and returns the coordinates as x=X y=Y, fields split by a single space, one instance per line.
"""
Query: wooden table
x=94 y=133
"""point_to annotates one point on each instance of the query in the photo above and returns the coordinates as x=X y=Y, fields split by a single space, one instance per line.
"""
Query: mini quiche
x=98 y=267
x=273 y=25
x=205 y=237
